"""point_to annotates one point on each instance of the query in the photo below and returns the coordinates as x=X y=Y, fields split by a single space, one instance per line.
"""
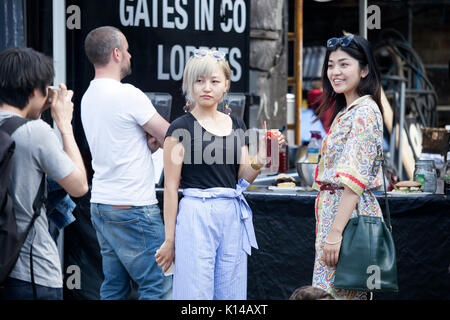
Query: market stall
x=285 y=231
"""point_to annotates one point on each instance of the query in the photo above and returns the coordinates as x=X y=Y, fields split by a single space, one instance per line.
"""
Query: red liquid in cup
x=269 y=148
x=271 y=138
x=283 y=159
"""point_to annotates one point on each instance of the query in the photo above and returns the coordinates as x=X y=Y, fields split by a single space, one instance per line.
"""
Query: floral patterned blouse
x=352 y=148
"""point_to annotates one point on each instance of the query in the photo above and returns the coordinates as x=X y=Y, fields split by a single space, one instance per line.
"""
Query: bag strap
x=9 y=126
x=12 y=124
x=388 y=212
x=37 y=204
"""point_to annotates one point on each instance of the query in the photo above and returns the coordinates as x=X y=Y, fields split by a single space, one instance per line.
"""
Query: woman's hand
x=262 y=150
x=165 y=256
x=281 y=139
x=332 y=247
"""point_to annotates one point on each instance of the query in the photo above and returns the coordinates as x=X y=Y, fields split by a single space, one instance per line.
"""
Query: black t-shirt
x=210 y=161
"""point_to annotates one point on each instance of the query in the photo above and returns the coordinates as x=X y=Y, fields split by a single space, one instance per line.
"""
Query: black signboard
x=162 y=35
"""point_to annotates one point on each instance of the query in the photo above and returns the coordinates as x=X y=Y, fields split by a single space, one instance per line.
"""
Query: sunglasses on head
x=201 y=53
x=343 y=41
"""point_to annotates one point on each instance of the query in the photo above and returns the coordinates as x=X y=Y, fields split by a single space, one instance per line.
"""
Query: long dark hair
x=361 y=50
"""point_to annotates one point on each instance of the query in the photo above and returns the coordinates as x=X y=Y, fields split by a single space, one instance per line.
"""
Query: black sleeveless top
x=209 y=161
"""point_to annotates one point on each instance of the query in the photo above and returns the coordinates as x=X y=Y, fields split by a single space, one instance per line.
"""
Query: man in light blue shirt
x=307 y=125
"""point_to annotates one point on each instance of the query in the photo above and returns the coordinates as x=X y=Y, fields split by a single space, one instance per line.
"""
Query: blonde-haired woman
x=210 y=232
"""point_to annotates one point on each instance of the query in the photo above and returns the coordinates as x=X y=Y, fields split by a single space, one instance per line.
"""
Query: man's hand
x=61 y=107
x=156 y=127
x=152 y=143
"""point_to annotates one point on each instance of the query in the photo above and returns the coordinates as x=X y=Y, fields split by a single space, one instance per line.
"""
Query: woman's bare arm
x=173 y=162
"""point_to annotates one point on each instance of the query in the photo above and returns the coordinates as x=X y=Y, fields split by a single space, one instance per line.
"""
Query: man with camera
x=25 y=76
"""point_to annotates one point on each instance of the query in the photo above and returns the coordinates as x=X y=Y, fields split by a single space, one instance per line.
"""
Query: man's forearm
x=71 y=148
x=157 y=127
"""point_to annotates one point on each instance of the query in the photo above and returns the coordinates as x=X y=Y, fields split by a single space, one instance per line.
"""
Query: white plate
x=409 y=195
x=278 y=189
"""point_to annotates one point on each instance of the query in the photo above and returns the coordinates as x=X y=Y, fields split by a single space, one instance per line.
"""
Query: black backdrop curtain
x=285 y=231
x=12 y=31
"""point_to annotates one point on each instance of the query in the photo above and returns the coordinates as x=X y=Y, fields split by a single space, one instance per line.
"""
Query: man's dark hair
x=21 y=71
x=100 y=42
x=310 y=293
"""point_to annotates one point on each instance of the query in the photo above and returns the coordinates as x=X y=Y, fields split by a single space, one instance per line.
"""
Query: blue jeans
x=15 y=289
x=129 y=237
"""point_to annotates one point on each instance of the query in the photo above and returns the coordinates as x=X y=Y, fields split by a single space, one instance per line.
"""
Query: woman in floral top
x=348 y=169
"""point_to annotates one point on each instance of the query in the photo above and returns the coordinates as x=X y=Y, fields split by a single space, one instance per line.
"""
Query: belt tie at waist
x=331 y=188
x=249 y=238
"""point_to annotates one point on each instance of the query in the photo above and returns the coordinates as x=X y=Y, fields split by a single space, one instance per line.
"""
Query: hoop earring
x=187 y=107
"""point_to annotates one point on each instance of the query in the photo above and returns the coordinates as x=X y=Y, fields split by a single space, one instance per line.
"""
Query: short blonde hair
x=202 y=67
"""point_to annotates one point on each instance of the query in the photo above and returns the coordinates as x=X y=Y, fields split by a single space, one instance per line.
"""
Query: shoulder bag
x=367 y=259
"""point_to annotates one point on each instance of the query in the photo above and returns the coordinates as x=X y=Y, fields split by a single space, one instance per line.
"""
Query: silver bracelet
x=336 y=242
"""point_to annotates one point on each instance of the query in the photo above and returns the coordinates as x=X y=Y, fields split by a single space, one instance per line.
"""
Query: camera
x=58 y=89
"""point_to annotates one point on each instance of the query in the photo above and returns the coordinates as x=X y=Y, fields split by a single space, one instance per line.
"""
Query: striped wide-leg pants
x=211 y=244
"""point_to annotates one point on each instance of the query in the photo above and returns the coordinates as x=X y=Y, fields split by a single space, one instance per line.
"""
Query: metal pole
x=363 y=18
x=59 y=64
x=298 y=50
x=410 y=23
x=393 y=133
x=400 y=128
x=59 y=40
